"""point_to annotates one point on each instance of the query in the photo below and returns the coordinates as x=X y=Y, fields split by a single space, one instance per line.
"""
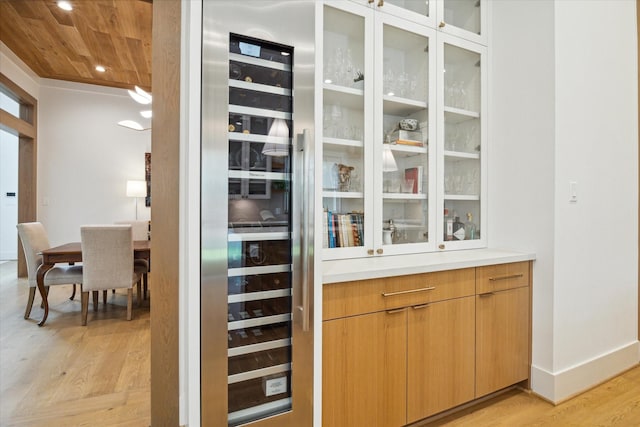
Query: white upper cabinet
x=402 y=133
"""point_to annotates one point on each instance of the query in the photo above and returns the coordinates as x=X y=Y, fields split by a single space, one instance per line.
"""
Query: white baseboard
x=8 y=256
x=559 y=386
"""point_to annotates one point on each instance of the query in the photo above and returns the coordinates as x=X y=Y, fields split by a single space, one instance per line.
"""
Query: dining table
x=71 y=253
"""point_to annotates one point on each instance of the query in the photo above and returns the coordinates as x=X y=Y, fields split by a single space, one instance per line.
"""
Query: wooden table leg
x=43 y=292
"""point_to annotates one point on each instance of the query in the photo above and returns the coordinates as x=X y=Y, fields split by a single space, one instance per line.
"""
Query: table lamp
x=136 y=188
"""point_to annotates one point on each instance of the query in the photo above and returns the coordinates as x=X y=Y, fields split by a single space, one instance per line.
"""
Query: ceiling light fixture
x=100 y=69
x=140 y=96
x=65 y=5
x=130 y=124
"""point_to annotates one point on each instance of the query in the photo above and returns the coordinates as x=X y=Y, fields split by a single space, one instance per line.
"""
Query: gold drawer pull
x=486 y=294
x=397 y=310
x=513 y=276
x=418 y=307
x=391 y=294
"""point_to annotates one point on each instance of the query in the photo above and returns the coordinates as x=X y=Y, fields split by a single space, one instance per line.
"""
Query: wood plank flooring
x=65 y=374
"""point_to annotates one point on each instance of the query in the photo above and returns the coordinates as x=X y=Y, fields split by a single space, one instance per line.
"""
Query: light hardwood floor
x=65 y=374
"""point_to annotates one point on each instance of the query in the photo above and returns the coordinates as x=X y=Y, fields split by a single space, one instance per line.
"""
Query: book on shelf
x=415 y=174
x=342 y=230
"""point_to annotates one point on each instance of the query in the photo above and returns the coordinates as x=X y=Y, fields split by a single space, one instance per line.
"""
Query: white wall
x=84 y=157
x=564 y=108
x=8 y=204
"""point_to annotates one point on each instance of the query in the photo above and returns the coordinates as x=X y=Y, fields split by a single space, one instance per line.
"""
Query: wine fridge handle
x=305 y=241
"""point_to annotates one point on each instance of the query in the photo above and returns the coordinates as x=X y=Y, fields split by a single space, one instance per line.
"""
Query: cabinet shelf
x=462 y=155
x=344 y=96
x=458 y=115
x=404 y=196
x=407 y=150
x=343 y=142
x=343 y=194
x=398 y=106
x=461 y=197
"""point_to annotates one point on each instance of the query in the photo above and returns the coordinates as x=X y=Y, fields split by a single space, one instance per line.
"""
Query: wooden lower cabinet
x=502 y=339
x=364 y=364
x=401 y=349
x=440 y=367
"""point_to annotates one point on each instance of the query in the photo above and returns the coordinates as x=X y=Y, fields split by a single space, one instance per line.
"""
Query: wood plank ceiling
x=62 y=45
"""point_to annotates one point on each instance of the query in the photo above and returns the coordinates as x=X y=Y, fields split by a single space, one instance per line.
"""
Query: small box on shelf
x=406 y=137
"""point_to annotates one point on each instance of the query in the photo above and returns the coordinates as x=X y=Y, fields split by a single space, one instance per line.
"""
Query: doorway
x=8 y=185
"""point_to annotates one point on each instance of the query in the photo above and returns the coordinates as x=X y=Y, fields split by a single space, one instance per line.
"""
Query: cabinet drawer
x=502 y=276
x=367 y=296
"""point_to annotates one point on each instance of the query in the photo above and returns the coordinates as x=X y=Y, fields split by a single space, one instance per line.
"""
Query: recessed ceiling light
x=65 y=5
x=328 y=81
x=100 y=68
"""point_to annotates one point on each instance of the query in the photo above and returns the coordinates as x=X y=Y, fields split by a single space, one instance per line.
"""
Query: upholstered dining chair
x=34 y=240
x=107 y=263
x=140 y=231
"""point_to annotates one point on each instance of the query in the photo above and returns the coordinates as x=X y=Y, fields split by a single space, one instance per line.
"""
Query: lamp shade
x=277 y=140
x=136 y=188
x=388 y=161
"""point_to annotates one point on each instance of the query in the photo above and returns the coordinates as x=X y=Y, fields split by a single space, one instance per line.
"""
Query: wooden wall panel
x=638 y=59
x=165 y=149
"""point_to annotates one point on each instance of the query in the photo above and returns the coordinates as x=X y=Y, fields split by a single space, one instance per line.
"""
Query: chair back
x=107 y=257
x=34 y=240
x=140 y=229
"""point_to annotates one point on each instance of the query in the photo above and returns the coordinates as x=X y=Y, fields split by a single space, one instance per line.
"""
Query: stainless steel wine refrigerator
x=257 y=213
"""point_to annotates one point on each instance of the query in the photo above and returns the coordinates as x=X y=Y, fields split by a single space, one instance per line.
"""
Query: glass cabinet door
x=404 y=123
x=346 y=111
x=463 y=18
x=419 y=11
x=462 y=136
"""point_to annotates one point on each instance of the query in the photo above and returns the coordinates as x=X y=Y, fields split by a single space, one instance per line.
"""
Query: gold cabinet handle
x=441 y=246
x=421 y=306
x=371 y=1
x=397 y=310
x=442 y=24
x=370 y=252
x=411 y=291
x=379 y=251
x=513 y=276
x=380 y=3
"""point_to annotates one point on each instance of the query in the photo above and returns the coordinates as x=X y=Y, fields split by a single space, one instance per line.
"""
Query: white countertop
x=398 y=265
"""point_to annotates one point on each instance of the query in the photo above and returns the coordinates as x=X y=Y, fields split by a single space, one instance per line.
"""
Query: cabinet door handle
x=397 y=310
x=380 y=3
x=442 y=24
x=370 y=1
x=512 y=276
x=379 y=251
x=421 y=306
x=369 y=251
x=486 y=294
x=390 y=294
